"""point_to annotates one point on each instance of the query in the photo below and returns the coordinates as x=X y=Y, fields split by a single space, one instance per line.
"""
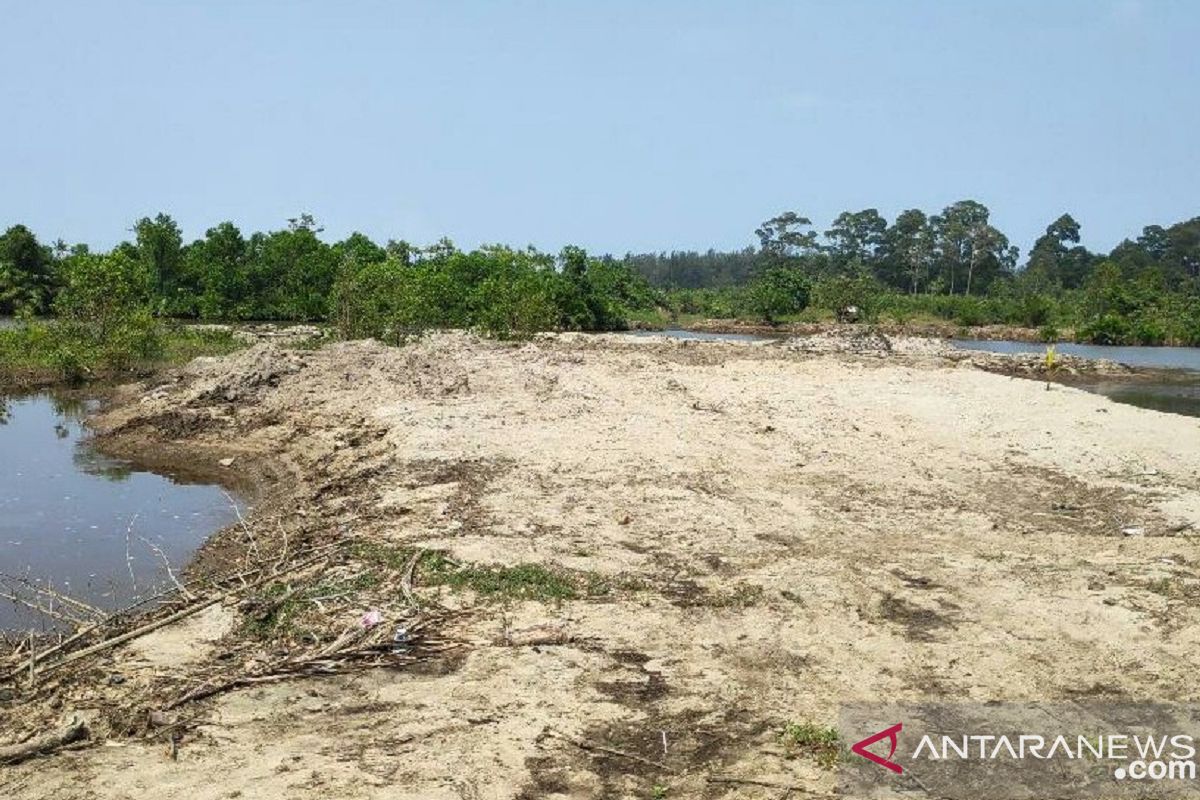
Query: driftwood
x=74 y=731
x=64 y=599
x=537 y=636
x=39 y=608
x=155 y=625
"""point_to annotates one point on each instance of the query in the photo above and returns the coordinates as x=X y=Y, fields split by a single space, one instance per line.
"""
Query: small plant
x=659 y=792
x=1050 y=363
x=1051 y=359
x=822 y=744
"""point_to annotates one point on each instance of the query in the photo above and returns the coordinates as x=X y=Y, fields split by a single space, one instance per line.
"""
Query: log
x=76 y=730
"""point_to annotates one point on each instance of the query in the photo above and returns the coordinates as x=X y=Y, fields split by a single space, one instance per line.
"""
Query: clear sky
x=615 y=125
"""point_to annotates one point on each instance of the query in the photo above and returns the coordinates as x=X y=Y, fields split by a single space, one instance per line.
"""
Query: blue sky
x=614 y=125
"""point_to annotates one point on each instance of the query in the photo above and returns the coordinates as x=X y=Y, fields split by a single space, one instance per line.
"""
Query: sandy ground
x=787 y=529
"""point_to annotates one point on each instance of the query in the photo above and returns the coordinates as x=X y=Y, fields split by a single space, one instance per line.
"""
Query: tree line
x=957 y=251
x=953 y=265
x=291 y=274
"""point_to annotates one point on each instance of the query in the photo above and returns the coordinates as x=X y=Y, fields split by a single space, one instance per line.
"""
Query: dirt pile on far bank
x=655 y=555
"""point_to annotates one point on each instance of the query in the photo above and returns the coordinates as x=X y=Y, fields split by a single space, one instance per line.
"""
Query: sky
x=618 y=126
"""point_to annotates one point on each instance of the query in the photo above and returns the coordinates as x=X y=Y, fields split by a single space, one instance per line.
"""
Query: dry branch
x=168 y=620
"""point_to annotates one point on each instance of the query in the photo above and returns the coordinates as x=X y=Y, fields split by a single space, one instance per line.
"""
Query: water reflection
x=84 y=523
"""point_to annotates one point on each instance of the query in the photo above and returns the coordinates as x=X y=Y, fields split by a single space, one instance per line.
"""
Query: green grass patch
x=518 y=582
x=490 y=581
x=822 y=744
x=52 y=351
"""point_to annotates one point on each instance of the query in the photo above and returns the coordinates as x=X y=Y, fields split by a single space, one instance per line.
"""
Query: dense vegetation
x=954 y=265
x=291 y=274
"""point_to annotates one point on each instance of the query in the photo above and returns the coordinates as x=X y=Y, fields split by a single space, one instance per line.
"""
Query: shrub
x=777 y=292
x=1105 y=329
x=843 y=291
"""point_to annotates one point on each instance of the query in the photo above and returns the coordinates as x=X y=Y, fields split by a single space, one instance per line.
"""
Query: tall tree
x=1054 y=262
x=856 y=236
x=359 y=248
x=160 y=247
x=785 y=236
x=969 y=246
x=908 y=251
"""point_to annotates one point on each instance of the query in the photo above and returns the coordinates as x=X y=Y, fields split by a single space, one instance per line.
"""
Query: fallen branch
x=59 y=596
x=170 y=572
x=538 y=636
x=406 y=585
x=168 y=620
x=75 y=730
x=34 y=606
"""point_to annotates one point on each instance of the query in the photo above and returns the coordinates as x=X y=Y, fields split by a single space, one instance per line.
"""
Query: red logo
x=890 y=735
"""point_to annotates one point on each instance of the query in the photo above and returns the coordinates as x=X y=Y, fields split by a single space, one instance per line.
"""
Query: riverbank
x=605 y=566
x=43 y=355
x=930 y=329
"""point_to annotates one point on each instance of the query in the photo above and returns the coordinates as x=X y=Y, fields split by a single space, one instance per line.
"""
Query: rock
x=226 y=462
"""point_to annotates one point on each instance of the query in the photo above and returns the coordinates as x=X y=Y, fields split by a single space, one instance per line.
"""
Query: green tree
x=292 y=272
x=784 y=236
x=26 y=272
x=1053 y=262
x=359 y=248
x=220 y=262
x=104 y=291
x=970 y=249
x=840 y=292
x=856 y=237
x=159 y=245
x=908 y=249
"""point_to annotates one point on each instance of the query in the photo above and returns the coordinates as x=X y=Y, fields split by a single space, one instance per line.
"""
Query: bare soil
x=757 y=533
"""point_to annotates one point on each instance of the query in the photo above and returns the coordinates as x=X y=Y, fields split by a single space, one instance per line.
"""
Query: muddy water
x=83 y=523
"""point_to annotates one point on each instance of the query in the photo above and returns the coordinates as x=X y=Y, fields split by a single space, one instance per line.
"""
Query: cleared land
x=650 y=556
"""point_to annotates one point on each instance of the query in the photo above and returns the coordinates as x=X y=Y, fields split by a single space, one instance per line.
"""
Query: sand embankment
x=775 y=529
